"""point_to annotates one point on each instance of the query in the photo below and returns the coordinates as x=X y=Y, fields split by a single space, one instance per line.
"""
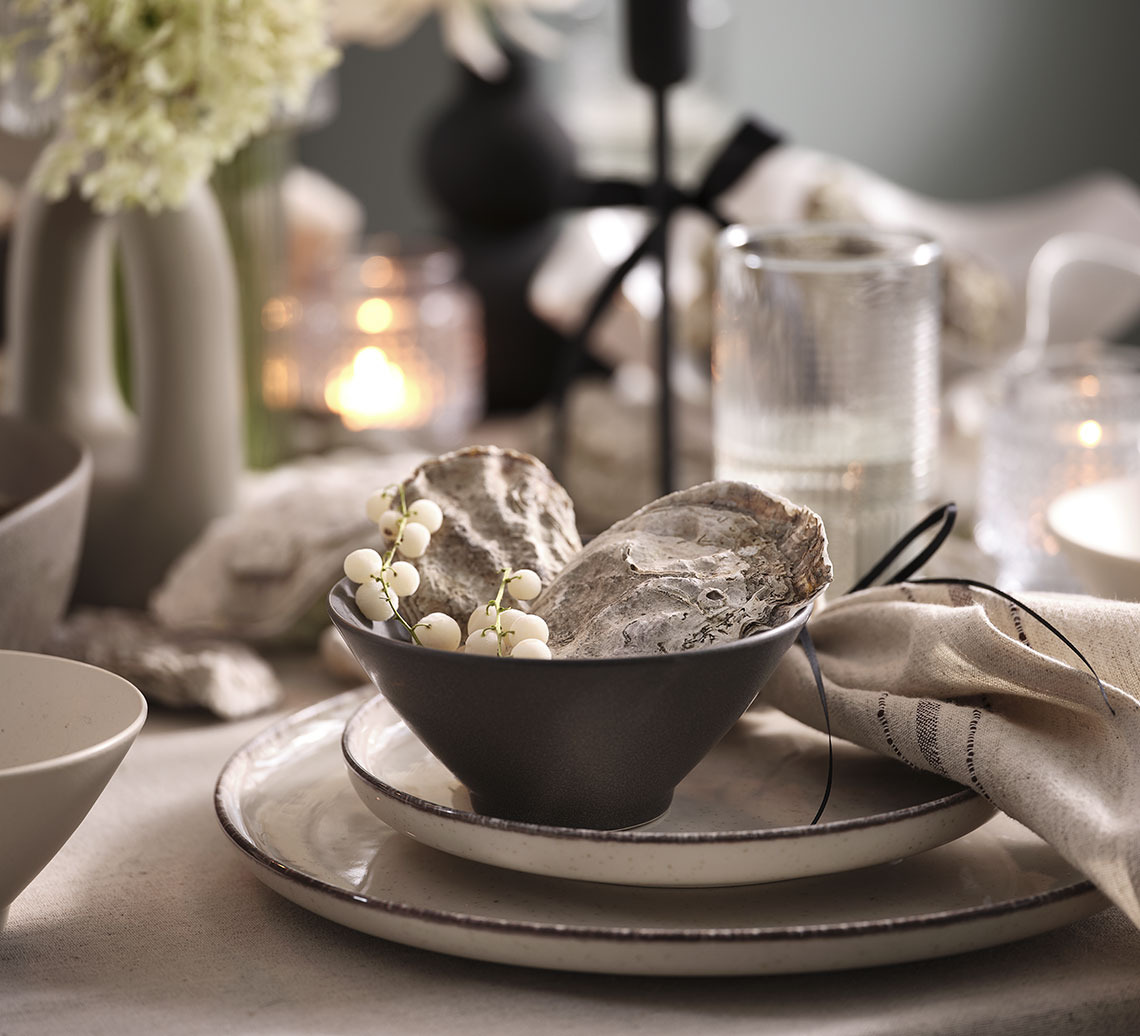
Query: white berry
x=483 y=642
x=524 y=585
x=361 y=565
x=508 y=618
x=438 y=631
x=481 y=618
x=378 y=503
x=427 y=513
x=528 y=627
x=530 y=648
x=403 y=578
x=414 y=541
x=389 y=523
x=375 y=601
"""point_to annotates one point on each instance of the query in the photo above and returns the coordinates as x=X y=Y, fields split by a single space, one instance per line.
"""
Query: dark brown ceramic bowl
x=586 y=743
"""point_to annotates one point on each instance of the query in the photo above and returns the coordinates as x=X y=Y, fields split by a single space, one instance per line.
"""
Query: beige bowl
x=44 y=483
x=64 y=729
x=1098 y=528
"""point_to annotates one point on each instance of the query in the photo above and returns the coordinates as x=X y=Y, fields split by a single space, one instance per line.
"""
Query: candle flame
x=372 y=391
x=1089 y=433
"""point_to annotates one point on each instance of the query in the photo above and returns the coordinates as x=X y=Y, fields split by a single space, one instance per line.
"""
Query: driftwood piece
x=713 y=563
x=501 y=509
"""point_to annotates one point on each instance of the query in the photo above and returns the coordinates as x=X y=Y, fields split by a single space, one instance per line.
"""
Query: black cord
x=809 y=649
x=945 y=515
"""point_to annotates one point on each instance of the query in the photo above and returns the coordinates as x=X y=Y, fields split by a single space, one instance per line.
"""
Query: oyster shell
x=501 y=509
x=708 y=564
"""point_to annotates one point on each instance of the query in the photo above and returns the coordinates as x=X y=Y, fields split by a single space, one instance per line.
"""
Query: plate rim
x=839 y=930
x=636 y=836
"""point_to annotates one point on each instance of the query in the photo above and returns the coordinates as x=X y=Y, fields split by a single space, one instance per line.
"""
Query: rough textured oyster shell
x=708 y=564
x=501 y=509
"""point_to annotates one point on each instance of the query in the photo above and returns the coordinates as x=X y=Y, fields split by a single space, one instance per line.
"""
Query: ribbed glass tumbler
x=825 y=376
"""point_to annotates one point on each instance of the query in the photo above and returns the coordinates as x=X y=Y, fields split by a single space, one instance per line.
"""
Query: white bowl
x=64 y=729
x=1098 y=528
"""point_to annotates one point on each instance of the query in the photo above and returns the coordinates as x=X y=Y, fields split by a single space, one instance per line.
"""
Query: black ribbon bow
x=740 y=151
x=743 y=148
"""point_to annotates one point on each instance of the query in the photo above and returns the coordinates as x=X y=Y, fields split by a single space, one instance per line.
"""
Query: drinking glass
x=825 y=376
x=1063 y=417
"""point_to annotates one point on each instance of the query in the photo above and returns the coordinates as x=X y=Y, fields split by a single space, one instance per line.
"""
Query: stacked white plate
x=733 y=879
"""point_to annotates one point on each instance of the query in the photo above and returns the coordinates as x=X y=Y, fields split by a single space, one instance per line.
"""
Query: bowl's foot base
x=588 y=816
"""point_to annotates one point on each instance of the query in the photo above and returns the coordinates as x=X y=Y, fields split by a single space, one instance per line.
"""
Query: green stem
x=388 y=558
x=387 y=564
x=498 y=603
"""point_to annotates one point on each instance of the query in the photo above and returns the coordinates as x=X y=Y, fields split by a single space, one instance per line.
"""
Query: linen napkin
x=962 y=682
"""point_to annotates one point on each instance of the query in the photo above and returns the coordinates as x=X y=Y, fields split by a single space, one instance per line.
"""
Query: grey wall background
x=385 y=97
x=961 y=98
x=957 y=98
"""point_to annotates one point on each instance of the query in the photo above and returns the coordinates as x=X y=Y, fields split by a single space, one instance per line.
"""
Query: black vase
x=500 y=168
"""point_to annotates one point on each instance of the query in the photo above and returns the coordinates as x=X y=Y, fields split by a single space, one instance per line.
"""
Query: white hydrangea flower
x=156 y=92
x=468 y=26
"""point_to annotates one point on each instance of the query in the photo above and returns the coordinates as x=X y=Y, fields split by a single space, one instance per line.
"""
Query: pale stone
x=262 y=573
x=180 y=671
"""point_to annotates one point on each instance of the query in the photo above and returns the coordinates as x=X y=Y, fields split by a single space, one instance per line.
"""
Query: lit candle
x=372 y=392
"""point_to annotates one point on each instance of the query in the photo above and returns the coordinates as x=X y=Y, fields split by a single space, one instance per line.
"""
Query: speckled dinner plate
x=292 y=815
x=741 y=816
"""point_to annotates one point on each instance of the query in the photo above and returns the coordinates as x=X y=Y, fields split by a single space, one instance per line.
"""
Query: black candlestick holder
x=658 y=44
x=658 y=41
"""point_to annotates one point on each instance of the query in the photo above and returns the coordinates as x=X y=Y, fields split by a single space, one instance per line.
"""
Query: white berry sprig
x=383 y=580
x=508 y=632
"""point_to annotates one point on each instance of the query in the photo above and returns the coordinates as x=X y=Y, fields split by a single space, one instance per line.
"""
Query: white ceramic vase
x=165 y=469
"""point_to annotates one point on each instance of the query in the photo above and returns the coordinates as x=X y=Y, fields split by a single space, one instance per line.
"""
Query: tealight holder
x=387 y=347
x=1070 y=419
x=595 y=743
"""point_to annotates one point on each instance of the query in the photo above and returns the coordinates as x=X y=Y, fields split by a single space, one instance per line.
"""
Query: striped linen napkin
x=959 y=681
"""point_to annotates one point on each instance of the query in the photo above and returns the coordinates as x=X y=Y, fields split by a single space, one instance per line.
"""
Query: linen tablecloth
x=147 y=922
